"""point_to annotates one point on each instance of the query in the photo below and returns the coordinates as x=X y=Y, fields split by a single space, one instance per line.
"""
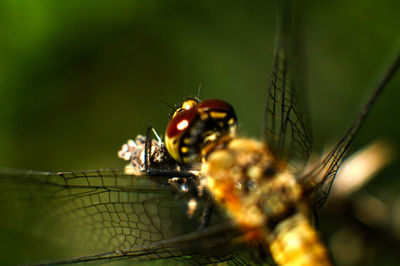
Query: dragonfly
x=120 y=215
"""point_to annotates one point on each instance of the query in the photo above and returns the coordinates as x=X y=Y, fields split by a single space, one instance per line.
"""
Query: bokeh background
x=79 y=78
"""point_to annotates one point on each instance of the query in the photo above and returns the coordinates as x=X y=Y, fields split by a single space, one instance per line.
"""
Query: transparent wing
x=213 y=245
x=73 y=214
x=318 y=181
x=286 y=127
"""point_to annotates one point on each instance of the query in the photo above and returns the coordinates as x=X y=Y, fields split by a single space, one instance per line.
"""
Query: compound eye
x=219 y=111
x=215 y=105
x=176 y=128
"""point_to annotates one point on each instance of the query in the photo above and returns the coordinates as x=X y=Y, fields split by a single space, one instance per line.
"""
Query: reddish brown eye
x=195 y=125
x=180 y=122
x=177 y=126
x=215 y=105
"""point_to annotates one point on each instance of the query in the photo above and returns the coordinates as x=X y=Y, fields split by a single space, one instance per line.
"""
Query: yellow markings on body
x=224 y=174
x=297 y=243
x=218 y=115
x=231 y=121
x=211 y=137
x=189 y=104
x=186 y=141
x=171 y=145
x=246 y=146
x=203 y=116
x=219 y=184
x=186 y=105
x=185 y=149
x=254 y=172
x=228 y=169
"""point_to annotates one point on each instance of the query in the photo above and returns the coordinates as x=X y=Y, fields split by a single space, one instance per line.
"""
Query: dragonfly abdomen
x=296 y=242
x=264 y=200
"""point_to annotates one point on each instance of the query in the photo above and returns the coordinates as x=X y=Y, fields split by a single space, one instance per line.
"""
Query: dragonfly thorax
x=244 y=176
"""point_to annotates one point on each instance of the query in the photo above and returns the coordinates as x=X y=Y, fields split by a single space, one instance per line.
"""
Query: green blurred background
x=79 y=78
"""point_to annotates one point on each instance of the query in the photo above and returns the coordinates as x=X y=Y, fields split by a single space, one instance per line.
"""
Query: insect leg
x=205 y=219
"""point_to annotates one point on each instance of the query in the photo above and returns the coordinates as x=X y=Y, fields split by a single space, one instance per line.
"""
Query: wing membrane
x=201 y=247
x=286 y=128
x=88 y=212
x=318 y=181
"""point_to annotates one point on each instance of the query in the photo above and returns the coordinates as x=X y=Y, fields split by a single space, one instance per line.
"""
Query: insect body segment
x=194 y=125
x=245 y=177
x=265 y=200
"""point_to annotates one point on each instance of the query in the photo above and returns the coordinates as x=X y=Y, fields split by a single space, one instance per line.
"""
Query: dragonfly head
x=196 y=124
